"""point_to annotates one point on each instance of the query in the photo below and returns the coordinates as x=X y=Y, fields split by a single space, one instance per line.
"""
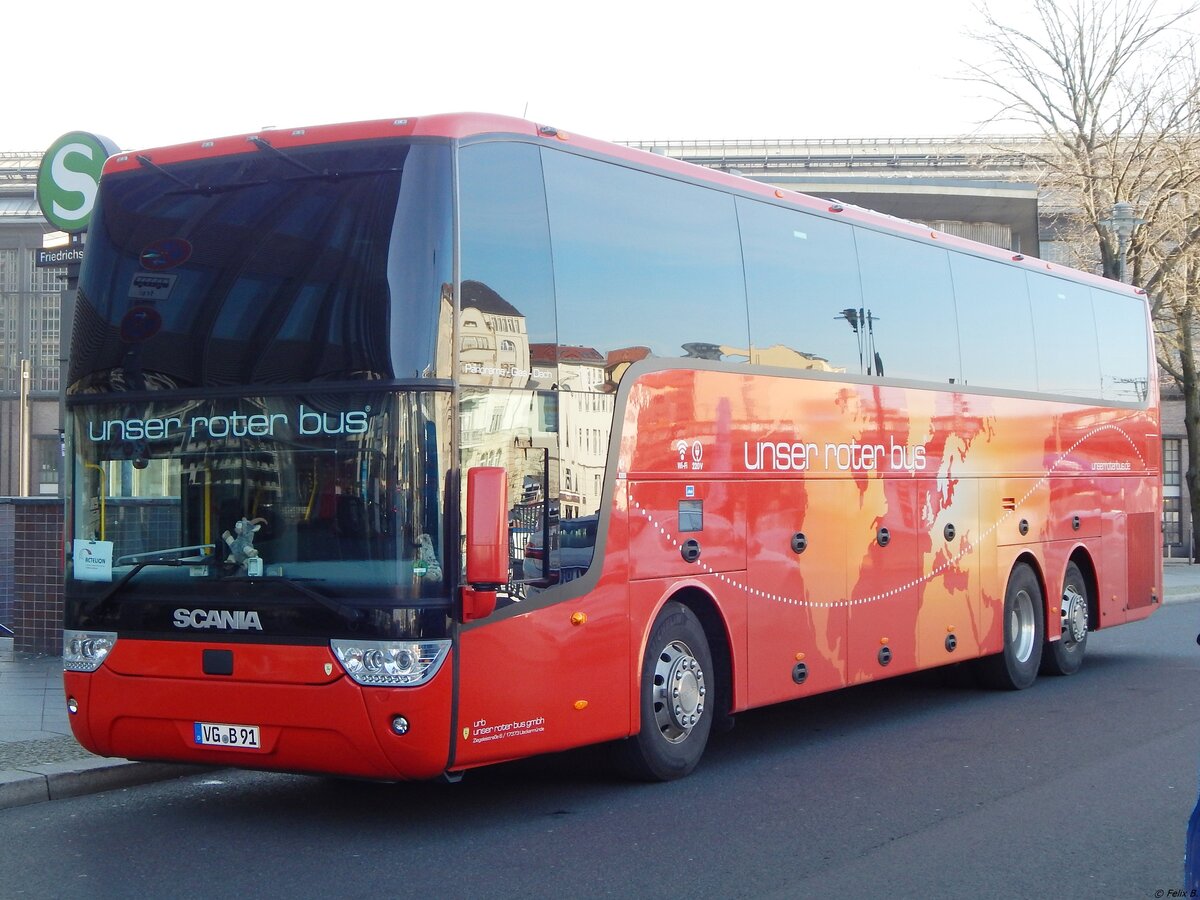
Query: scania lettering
x=217 y=618
x=434 y=442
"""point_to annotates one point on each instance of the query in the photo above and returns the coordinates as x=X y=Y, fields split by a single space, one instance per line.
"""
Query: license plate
x=237 y=737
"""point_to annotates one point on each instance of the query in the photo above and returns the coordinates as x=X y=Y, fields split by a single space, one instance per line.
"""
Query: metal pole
x=24 y=414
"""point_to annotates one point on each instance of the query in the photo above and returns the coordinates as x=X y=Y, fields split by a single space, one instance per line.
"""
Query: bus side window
x=644 y=266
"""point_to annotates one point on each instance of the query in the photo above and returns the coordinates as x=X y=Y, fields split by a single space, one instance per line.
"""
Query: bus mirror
x=487 y=539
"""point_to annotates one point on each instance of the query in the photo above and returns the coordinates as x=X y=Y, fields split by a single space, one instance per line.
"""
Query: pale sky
x=151 y=74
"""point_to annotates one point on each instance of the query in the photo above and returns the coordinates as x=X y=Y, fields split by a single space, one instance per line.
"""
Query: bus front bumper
x=292 y=708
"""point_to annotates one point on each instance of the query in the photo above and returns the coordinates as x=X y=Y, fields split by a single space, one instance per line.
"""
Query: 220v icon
x=235 y=737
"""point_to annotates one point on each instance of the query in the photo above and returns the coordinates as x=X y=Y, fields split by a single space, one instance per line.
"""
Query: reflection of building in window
x=618 y=361
x=585 y=423
x=485 y=357
x=511 y=429
x=782 y=357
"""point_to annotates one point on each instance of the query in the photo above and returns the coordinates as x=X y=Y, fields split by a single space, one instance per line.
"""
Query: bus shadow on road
x=871 y=725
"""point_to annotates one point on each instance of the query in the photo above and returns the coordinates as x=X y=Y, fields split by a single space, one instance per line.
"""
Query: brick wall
x=35 y=529
x=8 y=591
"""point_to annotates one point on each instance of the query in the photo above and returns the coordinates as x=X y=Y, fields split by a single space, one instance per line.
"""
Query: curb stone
x=76 y=778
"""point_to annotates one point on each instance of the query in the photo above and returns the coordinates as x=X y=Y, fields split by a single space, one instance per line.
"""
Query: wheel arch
x=1039 y=572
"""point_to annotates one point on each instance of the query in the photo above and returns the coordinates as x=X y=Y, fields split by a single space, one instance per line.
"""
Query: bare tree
x=1113 y=90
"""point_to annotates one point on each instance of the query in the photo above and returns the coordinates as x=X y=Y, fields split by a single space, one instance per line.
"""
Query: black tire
x=1065 y=656
x=1016 y=666
x=675 y=689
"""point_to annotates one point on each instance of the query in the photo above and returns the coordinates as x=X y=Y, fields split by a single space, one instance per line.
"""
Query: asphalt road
x=923 y=786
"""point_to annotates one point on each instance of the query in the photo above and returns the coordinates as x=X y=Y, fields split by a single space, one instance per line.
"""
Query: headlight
x=84 y=651
x=399 y=663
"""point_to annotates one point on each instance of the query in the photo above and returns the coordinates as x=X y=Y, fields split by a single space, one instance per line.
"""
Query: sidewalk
x=40 y=760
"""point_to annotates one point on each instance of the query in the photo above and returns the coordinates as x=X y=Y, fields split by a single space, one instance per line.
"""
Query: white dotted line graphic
x=931 y=575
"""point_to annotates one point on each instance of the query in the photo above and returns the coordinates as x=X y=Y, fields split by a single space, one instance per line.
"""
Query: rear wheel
x=1065 y=656
x=676 y=718
x=1016 y=666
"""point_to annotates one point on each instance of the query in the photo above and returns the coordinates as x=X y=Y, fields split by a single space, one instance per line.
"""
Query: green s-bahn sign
x=69 y=177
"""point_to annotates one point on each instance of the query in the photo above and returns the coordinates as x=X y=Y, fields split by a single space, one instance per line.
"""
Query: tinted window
x=1064 y=336
x=802 y=288
x=995 y=328
x=643 y=265
x=1121 y=334
x=264 y=274
x=909 y=308
x=508 y=323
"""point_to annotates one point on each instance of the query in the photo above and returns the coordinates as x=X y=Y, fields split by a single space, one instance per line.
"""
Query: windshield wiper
x=148 y=163
x=309 y=172
x=97 y=605
x=206 y=190
x=286 y=157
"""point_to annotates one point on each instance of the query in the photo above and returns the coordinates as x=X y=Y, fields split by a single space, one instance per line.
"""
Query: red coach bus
x=404 y=447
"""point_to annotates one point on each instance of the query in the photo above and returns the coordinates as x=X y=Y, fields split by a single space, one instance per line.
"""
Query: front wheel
x=1016 y=666
x=1065 y=656
x=675 y=691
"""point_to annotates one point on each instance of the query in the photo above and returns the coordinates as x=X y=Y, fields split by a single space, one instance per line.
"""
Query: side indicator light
x=581 y=704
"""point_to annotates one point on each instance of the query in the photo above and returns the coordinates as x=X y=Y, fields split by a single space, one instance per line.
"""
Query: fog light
x=72 y=705
x=400 y=725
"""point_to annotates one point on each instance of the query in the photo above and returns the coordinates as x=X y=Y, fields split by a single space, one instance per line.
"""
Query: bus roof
x=460 y=126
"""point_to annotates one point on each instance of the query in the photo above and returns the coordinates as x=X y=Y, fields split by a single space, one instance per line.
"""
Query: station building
x=30 y=338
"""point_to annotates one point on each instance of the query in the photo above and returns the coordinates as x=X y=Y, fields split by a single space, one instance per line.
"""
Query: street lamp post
x=1122 y=223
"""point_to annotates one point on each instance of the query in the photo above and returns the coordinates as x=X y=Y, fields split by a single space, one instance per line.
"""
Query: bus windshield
x=257 y=395
x=339 y=492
